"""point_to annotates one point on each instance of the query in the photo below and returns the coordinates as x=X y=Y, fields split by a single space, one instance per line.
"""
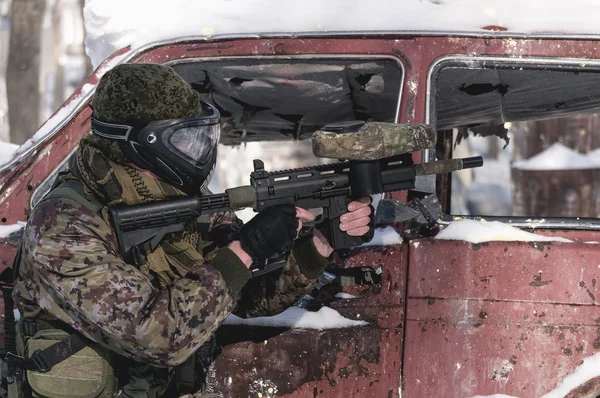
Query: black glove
x=270 y=232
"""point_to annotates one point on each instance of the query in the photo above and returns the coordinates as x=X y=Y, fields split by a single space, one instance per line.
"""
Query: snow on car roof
x=114 y=24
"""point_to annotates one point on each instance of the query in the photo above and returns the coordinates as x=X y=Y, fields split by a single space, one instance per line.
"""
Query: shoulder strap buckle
x=38 y=362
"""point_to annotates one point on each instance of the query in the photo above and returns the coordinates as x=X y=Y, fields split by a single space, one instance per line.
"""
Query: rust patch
x=523 y=337
x=537 y=281
x=596 y=343
x=587 y=390
x=279 y=49
x=494 y=28
x=289 y=360
x=537 y=245
x=503 y=372
x=582 y=284
x=410 y=104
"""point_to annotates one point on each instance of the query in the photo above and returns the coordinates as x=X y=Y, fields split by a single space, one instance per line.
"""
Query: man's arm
x=74 y=260
x=272 y=293
x=276 y=292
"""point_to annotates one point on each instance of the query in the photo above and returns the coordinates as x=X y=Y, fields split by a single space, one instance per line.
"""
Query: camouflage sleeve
x=274 y=292
x=82 y=281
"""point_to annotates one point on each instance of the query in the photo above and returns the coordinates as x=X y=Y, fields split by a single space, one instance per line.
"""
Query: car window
x=263 y=98
x=537 y=127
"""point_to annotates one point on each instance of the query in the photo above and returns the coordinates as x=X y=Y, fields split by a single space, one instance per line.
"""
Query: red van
x=444 y=318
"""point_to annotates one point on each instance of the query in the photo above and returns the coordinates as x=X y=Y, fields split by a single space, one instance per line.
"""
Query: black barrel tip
x=472 y=162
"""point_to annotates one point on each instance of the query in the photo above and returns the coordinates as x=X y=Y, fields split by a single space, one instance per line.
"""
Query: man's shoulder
x=57 y=214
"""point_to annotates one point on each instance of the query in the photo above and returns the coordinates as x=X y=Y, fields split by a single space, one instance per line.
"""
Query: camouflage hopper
x=374 y=141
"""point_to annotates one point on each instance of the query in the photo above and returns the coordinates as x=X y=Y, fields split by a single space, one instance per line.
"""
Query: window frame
x=308 y=57
x=478 y=62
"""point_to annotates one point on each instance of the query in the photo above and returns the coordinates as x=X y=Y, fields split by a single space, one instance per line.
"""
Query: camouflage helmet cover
x=133 y=92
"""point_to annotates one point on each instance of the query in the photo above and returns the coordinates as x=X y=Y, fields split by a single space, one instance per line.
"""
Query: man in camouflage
x=161 y=313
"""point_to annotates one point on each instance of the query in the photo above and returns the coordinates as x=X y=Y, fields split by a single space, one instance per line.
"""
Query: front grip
x=339 y=239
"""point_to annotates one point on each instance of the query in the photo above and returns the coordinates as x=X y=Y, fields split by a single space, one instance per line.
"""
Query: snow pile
x=557 y=157
x=384 y=236
x=115 y=24
x=344 y=296
x=482 y=231
x=6 y=230
x=588 y=370
x=299 y=318
x=6 y=152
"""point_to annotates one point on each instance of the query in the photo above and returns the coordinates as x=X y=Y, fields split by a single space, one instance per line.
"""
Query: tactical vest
x=46 y=358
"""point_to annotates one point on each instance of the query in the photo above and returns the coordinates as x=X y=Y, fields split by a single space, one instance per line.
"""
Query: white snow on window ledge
x=483 y=231
x=588 y=370
x=384 y=236
x=299 y=318
x=6 y=230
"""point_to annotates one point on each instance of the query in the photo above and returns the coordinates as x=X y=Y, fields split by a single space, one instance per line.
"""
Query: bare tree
x=89 y=69
x=23 y=68
x=59 y=74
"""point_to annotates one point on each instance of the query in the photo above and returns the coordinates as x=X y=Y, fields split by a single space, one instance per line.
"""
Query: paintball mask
x=181 y=151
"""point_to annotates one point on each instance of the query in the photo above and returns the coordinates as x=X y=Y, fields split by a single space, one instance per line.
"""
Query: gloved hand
x=270 y=232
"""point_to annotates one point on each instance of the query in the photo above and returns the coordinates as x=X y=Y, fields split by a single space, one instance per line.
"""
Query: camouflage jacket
x=71 y=269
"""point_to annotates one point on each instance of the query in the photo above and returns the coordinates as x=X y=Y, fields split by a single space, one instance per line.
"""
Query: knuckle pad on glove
x=270 y=232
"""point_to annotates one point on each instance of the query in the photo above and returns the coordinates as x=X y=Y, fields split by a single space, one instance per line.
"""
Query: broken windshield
x=281 y=98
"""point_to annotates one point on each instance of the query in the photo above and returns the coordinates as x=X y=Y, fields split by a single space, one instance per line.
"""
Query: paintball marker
x=377 y=158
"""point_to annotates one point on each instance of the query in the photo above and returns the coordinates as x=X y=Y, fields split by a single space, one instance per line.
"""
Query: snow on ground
x=115 y=24
x=557 y=157
x=345 y=296
x=588 y=370
x=6 y=230
x=299 y=318
x=483 y=231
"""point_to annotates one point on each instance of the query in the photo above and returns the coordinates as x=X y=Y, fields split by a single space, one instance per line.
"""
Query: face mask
x=180 y=151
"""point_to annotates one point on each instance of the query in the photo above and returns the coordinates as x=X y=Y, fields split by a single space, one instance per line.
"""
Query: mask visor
x=194 y=141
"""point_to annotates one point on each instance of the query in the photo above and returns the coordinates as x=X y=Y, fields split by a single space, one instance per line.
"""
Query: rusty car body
x=445 y=318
